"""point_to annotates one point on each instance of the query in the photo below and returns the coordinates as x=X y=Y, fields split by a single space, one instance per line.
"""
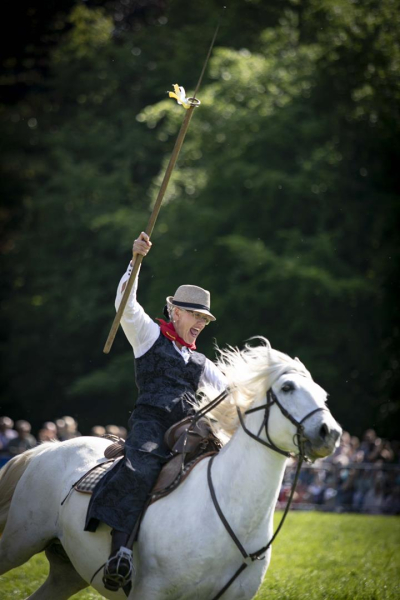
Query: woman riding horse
x=168 y=374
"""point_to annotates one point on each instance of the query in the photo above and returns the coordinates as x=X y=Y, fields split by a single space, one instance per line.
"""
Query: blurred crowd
x=17 y=437
x=363 y=475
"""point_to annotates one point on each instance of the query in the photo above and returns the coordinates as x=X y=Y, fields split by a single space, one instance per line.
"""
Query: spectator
x=374 y=499
x=317 y=487
x=345 y=489
x=386 y=452
x=330 y=492
x=67 y=428
x=98 y=431
x=368 y=445
x=24 y=439
x=7 y=433
x=362 y=484
x=48 y=433
x=123 y=432
x=342 y=455
x=113 y=430
x=355 y=445
x=51 y=427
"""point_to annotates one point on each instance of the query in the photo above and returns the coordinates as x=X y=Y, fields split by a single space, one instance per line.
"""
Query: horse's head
x=297 y=418
x=286 y=410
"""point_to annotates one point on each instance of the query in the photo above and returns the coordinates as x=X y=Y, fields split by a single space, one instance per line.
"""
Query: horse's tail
x=10 y=474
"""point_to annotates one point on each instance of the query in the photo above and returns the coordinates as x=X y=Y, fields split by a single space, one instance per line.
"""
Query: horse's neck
x=247 y=477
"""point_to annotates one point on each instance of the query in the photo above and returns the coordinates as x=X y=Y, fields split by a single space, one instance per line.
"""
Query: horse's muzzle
x=322 y=436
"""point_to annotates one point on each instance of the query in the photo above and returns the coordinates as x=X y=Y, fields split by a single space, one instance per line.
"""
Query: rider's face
x=189 y=324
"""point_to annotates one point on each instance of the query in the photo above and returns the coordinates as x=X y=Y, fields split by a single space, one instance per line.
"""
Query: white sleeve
x=140 y=330
x=213 y=376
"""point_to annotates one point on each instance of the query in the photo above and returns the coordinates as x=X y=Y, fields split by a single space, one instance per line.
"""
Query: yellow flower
x=180 y=95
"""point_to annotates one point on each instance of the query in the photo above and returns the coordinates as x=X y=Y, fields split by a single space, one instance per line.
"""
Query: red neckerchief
x=168 y=330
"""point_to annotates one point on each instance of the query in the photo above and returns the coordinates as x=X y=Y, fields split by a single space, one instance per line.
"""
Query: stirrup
x=118 y=570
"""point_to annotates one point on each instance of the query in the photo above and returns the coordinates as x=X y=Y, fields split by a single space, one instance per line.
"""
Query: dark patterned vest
x=164 y=379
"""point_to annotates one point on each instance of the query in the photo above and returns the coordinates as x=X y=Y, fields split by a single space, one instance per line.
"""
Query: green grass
x=316 y=556
x=337 y=557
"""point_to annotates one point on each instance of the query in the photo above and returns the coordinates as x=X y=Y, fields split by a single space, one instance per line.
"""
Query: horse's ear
x=297 y=358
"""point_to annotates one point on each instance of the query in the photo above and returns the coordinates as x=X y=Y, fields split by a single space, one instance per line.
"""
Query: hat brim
x=195 y=307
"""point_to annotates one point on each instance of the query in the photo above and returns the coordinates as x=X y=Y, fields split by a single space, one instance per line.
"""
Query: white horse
x=184 y=550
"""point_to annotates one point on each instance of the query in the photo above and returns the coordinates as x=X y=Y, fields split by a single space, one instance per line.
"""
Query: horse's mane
x=249 y=373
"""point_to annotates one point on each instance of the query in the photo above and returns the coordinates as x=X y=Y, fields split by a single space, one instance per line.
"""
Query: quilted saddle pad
x=88 y=482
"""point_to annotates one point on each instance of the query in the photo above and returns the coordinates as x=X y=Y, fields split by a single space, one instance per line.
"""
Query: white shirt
x=142 y=332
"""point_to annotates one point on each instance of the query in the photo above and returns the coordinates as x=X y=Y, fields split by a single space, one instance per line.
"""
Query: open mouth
x=194 y=332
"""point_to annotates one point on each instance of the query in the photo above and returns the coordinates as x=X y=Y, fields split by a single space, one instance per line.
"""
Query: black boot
x=119 y=566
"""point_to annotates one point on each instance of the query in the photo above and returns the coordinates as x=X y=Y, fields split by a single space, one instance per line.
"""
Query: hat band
x=190 y=305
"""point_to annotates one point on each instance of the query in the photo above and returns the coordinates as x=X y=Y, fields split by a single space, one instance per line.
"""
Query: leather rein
x=299 y=441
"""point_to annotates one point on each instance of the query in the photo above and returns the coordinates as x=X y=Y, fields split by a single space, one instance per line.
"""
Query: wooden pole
x=149 y=230
x=151 y=223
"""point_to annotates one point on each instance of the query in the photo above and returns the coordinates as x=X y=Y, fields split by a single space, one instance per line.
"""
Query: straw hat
x=192 y=297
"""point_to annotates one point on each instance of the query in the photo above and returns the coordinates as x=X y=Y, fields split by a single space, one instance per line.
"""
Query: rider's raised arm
x=140 y=330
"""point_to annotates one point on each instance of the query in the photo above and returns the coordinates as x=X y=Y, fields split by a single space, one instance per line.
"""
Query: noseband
x=299 y=435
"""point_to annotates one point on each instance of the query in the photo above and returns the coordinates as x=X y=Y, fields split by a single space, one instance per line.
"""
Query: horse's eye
x=288 y=387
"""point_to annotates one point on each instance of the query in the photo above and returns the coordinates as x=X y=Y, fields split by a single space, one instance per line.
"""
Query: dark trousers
x=119 y=498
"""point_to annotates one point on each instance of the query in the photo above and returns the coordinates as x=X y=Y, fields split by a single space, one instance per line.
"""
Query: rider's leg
x=121 y=496
x=118 y=569
x=146 y=467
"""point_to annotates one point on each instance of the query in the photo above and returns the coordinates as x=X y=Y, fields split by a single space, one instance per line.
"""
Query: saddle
x=189 y=442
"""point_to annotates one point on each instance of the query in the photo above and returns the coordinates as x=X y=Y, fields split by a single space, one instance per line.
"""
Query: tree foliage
x=284 y=202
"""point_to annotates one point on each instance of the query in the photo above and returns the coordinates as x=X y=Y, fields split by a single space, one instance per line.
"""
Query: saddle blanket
x=164 y=485
x=173 y=472
x=88 y=482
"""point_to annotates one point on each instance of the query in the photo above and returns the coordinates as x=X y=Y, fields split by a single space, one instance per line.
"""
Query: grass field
x=317 y=556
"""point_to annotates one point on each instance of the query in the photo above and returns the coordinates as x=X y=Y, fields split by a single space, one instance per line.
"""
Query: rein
x=271 y=400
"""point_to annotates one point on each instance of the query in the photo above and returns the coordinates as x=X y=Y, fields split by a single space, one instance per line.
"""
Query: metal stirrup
x=123 y=559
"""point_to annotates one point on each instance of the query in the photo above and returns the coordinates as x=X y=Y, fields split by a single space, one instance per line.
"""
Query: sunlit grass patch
x=337 y=557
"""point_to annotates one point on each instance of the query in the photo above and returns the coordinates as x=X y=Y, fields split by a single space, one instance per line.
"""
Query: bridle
x=299 y=440
x=299 y=435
